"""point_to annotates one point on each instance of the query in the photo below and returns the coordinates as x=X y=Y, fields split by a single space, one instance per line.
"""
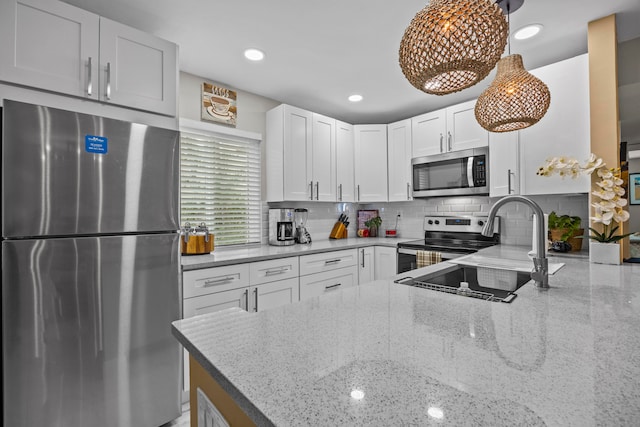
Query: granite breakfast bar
x=389 y=354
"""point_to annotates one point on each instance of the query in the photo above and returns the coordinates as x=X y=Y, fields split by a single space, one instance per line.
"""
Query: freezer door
x=67 y=173
x=86 y=331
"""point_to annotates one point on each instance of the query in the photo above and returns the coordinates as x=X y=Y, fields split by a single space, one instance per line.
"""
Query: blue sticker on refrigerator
x=95 y=144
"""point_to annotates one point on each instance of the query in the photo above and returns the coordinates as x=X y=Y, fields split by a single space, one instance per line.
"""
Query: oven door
x=407 y=257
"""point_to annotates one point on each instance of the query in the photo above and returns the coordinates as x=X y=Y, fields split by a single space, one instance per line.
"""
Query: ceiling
x=320 y=52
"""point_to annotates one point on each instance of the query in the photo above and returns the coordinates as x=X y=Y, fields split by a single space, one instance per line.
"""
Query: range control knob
x=481 y=223
x=437 y=222
x=430 y=222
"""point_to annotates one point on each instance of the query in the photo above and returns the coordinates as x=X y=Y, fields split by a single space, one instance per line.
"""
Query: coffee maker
x=300 y=219
x=281 y=230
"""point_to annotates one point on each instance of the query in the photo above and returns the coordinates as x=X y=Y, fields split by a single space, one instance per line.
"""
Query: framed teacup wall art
x=218 y=104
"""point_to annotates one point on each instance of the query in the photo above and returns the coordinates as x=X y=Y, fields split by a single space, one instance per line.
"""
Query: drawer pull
x=332 y=261
x=274 y=272
x=333 y=286
x=213 y=282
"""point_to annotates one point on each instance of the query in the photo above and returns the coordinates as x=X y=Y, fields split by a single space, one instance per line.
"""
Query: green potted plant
x=372 y=224
x=566 y=228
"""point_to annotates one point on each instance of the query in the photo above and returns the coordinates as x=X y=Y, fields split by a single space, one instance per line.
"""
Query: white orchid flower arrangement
x=610 y=208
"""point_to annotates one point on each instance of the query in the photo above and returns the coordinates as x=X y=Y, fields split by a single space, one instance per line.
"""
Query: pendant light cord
x=508 y=27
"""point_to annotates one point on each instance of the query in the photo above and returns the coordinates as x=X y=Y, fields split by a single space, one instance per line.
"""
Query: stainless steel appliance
x=90 y=270
x=281 y=227
x=300 y=220
x=456 y=173
x=451 y=236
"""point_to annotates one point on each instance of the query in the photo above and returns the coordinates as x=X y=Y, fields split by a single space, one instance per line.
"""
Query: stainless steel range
x=451 y=236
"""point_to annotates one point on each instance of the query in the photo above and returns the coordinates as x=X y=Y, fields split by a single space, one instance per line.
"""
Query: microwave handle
x=470 y=171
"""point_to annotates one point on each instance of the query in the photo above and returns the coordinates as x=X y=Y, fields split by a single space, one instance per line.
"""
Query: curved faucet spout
x=540 y=273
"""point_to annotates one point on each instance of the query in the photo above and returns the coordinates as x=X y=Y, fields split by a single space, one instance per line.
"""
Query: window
x=220 y=184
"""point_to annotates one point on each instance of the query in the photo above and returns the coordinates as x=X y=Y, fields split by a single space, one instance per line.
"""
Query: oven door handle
x=444 y=254
x=407 y=251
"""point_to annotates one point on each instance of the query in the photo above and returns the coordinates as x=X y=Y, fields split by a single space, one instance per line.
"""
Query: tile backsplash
x=516 y=218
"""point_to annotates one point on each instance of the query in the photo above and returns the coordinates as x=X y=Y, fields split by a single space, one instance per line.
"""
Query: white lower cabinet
x=318 y=284
x=328 y=271
x=366 y=271
x=385 y=261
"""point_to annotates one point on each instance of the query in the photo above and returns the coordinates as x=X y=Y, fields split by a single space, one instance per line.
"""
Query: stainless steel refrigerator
x=90 y=270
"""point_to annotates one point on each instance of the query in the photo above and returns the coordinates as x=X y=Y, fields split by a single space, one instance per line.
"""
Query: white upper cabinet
x=371 y=163
x=301 y=155
x=450 y=129
x=137 y=69
x=563 y=131
x=428 y=133
x=345 y=176
x=323 y=158
x=57 y=47
x=399 y=160
x=463 y=130
x=504 y=171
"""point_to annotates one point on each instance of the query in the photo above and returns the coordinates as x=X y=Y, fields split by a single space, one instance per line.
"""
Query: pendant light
x=516 y=99
x=452 y=44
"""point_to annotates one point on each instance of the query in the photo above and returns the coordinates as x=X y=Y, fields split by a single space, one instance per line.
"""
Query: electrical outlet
x=399 y=214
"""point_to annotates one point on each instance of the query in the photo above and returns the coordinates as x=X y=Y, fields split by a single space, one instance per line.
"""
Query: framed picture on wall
x=218 y=104
x=634 y=188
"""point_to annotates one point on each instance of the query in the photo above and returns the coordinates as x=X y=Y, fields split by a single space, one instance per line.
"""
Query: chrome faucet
x=540 y=273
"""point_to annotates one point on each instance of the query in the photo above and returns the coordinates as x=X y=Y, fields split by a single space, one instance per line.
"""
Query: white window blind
x=220 y=186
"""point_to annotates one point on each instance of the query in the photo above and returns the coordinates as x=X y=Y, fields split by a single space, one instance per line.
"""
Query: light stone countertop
x=227 y=256
x=567 y=356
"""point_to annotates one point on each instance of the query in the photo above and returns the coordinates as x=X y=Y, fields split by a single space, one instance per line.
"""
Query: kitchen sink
x=463 y=280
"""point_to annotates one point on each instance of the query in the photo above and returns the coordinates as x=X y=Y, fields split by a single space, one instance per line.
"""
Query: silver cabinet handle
x=311 y=189
x=317 y=190
x=331 y=261
x=340 y=192
x=90 y=80
x=108 y=81
x=509 y=173
x=408 y=191
x=255 y=293
x=333 y=286
x=274 y=272
x=441 y=146
x=246 y=300
x=213 y=282
x=449 y=138
x=358 y=192
x=362 y=258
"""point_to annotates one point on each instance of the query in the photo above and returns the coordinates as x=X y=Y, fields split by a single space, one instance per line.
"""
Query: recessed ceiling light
x=528 y=31
x=254 y=54
x=355 y=98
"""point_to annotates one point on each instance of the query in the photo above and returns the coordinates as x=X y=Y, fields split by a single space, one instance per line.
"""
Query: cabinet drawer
x=328 y=261
x=215 y=302
x=321 y=283
x=217 y=279
x=272 y=270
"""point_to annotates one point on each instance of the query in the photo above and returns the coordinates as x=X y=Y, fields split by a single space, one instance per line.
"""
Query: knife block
x=339 y=231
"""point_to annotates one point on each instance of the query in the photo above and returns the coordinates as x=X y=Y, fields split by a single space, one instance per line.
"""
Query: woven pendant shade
x=515 y=100
x=452 y=44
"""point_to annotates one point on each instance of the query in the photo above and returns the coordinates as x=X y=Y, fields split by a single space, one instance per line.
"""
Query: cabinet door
x=463 y=130
x=345 y=176
x=323 y=158
x=371 y=163
x=385 y=262
x=399 y=160
x=504 y=178
x=297 y=154
x=215 y=302
x=49 y=45
x=563 y=131
x=274 y=294
x=366 y=269
x=315 y=285
x=428 y=132
x=137 y=69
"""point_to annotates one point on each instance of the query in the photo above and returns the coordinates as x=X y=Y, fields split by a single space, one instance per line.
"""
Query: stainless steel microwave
x=456 y=173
